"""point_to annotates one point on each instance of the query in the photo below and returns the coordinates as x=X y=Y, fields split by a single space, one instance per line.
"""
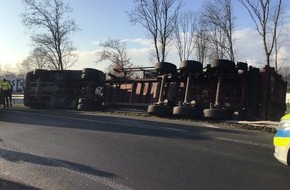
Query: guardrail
x=17 y=98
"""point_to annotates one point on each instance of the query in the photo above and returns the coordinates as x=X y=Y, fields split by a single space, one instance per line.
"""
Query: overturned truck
x=68 y=89
x=220 y=90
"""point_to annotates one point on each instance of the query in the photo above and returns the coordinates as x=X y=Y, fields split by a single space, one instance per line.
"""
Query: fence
x=17 y=98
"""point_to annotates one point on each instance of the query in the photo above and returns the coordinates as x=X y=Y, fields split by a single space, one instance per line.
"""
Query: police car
x=282 y=140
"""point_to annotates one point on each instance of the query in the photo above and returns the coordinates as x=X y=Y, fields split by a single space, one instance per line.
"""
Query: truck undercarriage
x=220 y=90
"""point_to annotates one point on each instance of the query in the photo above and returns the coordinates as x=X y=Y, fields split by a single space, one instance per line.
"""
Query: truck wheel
x=82 y=107
x=165 y=68
x=216 y=114
x=187 y=112
x=86 y=107
x=160 y=110
x=223 y=65
x=83 y=101
x=193 y=66
x=242 y=66
x=86 y=104
x=93 y=75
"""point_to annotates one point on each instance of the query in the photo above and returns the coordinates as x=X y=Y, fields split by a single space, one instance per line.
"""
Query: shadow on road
x=14 y=156
x=11 y=185
x=78 y=120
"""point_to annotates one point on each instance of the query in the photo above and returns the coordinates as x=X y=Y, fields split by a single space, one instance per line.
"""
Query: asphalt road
x=57 y=149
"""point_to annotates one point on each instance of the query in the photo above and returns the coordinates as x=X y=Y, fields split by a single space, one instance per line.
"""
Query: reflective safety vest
x=5 y=86
x=282 y=136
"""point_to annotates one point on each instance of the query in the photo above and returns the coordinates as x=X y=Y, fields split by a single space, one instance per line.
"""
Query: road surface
x=58 y=149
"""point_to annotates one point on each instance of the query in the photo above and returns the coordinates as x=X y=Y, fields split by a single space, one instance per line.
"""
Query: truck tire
x=93 y=75
x=86 y=104
x=192 y=66
x=82 y=107
x=223 y=65
x=165 y=68
x=187 y=112
x=86 y=107
x=83 y=101
x=242 y=66
x=216 y=114
x=160 y=110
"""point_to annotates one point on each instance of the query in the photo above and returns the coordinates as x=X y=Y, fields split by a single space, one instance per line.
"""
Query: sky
x=100 y=20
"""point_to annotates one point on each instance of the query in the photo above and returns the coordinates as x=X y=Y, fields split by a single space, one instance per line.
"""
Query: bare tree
x=202 y=40
x=158 y=17
x=219 y=18
x=37 y=60
x=185 y=33
x=51 y=28
x=7 y=70
x=24 y=67
x=115 y=51
x=266 y=15
x=279 y=58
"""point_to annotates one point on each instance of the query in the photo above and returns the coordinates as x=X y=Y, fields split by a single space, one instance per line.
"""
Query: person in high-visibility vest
x=5 y=88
